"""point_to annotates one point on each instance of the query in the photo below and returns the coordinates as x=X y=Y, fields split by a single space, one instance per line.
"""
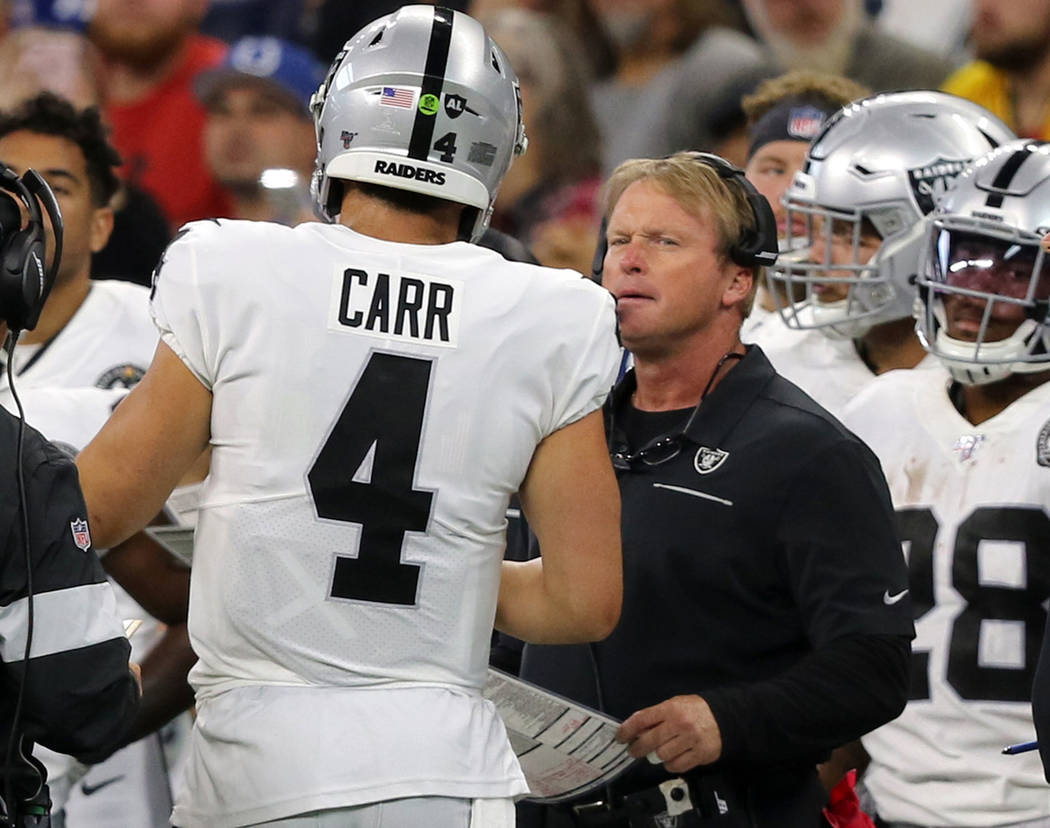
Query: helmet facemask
x=849 y=271
x=984 y=296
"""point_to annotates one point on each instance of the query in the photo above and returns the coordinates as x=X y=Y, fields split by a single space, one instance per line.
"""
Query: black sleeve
x=834 y=695
x=79 y=693
x=1041 y=701
x=842 y=560
x=840 y=550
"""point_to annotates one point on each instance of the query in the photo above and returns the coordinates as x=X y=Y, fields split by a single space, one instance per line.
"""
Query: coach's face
x=664 y=268
x=60 y=162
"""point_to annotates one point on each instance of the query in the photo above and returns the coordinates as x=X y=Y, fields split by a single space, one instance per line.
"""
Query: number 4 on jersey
x=385 y=411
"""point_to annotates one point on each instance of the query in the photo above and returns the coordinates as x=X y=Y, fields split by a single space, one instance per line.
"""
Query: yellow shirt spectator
x=989 y=86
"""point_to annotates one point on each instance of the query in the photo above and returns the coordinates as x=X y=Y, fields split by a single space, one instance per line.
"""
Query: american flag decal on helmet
x=81 y=535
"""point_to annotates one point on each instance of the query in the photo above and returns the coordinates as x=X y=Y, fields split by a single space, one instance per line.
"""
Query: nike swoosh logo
x=890 y=600
x=88 y=790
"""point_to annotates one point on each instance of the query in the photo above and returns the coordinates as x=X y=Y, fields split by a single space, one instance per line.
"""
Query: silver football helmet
x=422 y=100
x=983 y=305
x=878 y=166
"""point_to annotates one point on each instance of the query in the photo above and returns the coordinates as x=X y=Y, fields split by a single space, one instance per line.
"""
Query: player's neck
x=890 y=346
x=674 y=380
x=65 y=300
x=373 y=217
x=982 y=402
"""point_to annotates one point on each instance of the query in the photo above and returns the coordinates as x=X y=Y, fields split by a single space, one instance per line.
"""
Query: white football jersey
x=108 y=343
x=68 y=417
x=375 y=406
x=829 y=370
x=972 y=508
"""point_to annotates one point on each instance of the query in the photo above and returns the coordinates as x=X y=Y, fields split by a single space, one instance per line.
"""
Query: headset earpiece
x=758 y=247
x=25 y=281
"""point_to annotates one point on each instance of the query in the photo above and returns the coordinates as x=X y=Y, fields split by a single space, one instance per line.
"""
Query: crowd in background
x=202 y=97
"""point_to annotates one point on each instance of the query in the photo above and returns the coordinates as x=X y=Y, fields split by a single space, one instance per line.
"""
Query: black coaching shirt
x=79 y=695
x=769 y=536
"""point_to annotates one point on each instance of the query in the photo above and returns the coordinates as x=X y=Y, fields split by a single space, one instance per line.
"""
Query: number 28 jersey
x=375 y=405
x=972 y=510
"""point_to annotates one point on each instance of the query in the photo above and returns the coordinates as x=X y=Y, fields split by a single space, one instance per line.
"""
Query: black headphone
x=754 y=248
x=24 y=281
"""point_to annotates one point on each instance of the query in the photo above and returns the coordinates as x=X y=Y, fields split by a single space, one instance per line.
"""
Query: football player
x=784 y=114
x=868 y=179
x=967 y=458
x=374 y=391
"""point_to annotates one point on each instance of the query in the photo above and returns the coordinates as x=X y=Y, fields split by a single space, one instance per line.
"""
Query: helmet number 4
x=446 y=145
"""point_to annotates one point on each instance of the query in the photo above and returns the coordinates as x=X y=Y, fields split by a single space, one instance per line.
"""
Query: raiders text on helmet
x=984 y=287
x=419 y=100
x=879 y=165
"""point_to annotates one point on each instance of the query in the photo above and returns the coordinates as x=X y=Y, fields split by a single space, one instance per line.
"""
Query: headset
x=756 y=247
x=24 y=281
x=24 y=286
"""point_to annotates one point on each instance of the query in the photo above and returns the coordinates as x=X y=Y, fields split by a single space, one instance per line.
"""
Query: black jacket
x=79 y=696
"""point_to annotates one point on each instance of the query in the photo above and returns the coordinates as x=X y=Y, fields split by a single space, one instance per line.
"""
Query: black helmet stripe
x=1005 y=175
x=433 y=81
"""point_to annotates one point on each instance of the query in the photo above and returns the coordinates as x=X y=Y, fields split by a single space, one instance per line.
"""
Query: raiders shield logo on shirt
x=708 y=459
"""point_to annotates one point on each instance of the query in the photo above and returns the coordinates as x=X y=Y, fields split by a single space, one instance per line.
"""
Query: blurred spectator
x=549 y=198
x=940 y=26
x=230 y=20
x=259 y=136
x=336 y=21
x=1011 y=76
x=68 y=15
x=677 y=60
x=783 y=115
x=725 y=122
x=153 y=53
x=37 y=59
x=579 y=18
x=835 y=36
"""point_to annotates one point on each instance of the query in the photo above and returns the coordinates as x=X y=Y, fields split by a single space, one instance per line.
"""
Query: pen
x=1024 y=747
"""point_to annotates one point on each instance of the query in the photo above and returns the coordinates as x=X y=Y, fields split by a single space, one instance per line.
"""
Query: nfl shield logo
x=81 y=535
x=804 y=122
x=708 y=459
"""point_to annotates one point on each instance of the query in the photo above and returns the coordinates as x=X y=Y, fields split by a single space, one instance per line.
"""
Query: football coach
x=766 y=617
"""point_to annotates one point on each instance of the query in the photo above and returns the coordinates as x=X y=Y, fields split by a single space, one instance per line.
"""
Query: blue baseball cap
x=290 y=69
x=58 y=14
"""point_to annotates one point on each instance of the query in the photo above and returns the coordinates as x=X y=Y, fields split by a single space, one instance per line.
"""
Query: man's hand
x=136 y=671
x=681 y=732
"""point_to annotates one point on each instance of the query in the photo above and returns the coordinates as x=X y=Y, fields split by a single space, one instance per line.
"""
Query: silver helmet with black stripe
x=421 y=100
x=876 y=169
x=983 y=306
